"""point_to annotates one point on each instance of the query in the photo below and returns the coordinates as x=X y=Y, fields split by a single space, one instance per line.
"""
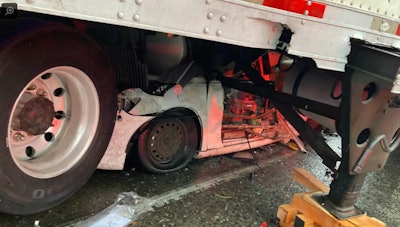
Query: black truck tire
x=58 y=103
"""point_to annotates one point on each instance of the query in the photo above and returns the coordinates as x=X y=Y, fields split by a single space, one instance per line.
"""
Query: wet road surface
x=224 y=191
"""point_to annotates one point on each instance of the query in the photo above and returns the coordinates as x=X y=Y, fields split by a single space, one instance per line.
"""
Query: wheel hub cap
x=37 y=116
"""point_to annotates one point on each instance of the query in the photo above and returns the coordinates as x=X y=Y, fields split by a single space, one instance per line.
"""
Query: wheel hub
x=166 y=141
x=48 y=133
x=37 y=116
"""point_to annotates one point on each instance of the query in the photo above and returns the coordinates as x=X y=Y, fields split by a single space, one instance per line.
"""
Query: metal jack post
x=367 y=119
x=369 y=127
x=370 y=122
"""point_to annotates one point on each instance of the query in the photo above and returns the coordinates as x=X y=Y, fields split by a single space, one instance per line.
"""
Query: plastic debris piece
x=127 y=207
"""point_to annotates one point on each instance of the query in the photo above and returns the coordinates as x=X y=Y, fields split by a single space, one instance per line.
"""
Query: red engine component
x=243 y=104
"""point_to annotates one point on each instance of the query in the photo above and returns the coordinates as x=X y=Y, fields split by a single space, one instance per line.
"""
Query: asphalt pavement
x=216 y=191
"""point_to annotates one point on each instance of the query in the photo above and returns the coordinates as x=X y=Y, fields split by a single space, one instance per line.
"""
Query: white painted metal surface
x=245 y=23
x=206 y=100
x=114 y=157
x=195 y=97
x=386 y=8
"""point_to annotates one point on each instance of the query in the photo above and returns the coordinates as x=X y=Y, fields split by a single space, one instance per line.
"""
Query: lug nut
x=31 y=87
x=19 y=137
x=41 y=92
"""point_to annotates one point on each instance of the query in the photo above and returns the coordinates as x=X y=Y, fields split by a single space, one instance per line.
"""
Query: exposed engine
x=248 y=113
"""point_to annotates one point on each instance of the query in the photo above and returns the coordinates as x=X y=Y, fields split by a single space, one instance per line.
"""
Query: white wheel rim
x=64 y=144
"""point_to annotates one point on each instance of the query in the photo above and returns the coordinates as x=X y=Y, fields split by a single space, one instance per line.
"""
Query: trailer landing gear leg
x=367 y=119
x=369 y=128
x=306 y=211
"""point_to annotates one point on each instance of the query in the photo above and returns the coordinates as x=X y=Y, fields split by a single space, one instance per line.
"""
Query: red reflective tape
x=398 y=30
x=309 y=8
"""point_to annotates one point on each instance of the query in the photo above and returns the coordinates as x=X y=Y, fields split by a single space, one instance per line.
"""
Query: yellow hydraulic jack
x=305 y=211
